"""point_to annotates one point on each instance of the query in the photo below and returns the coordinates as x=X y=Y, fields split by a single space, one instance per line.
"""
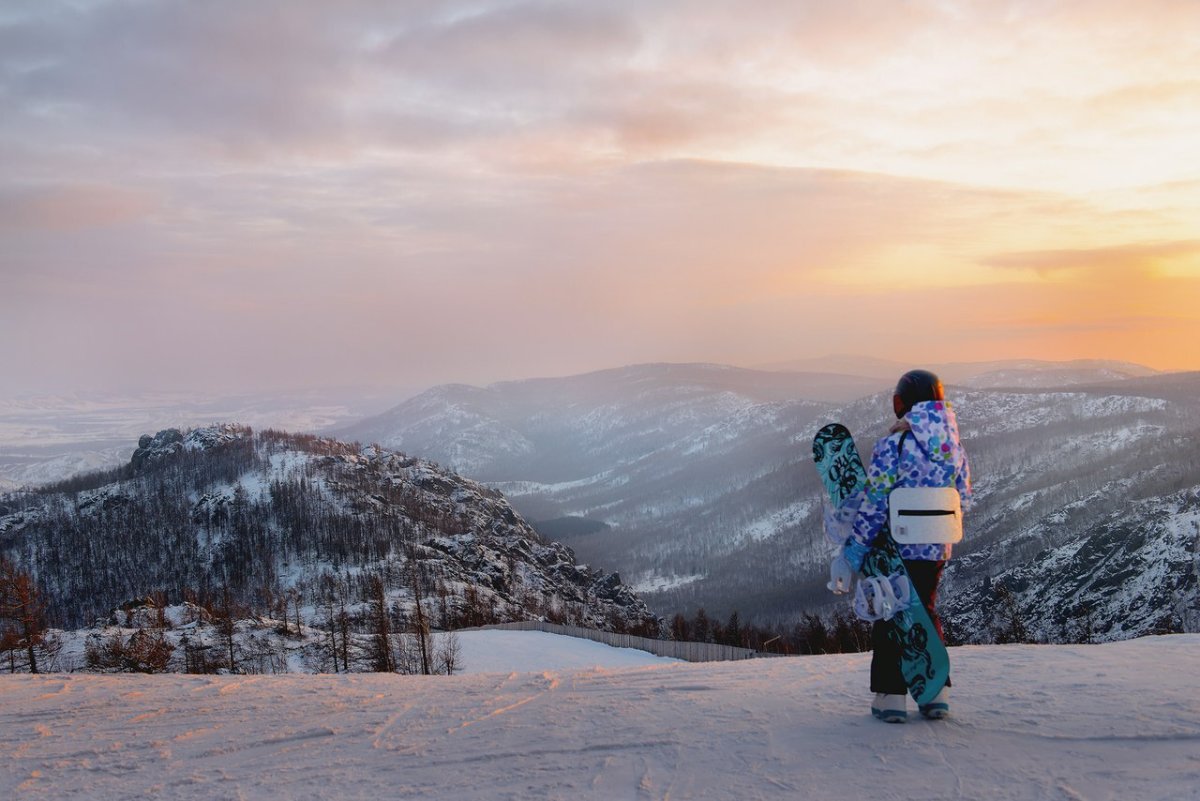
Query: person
x=922 y=449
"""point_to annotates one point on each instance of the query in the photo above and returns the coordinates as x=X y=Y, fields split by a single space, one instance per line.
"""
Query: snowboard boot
x=939 y=707
x=890 y=708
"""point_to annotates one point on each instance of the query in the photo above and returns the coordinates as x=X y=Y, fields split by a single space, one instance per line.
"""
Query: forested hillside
x=274 y=521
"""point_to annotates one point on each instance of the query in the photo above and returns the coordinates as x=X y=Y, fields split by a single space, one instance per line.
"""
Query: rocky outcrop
x=171 y=441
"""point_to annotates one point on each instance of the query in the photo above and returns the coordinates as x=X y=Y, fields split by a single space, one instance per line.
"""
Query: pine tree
x=702 y=626
x=1011 y=621
x=733 y=630
x=680 y=630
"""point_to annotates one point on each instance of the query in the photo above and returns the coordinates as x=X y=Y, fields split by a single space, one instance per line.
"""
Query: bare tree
x=343 y=621
x=22 y=613
x=296 y=597
x=421 y=622
x=449 y=653
x=146 y=651
x=383 y=659
x=227 y=623
x=328 y=587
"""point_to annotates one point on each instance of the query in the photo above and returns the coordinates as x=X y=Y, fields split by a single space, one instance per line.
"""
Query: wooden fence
x=687 y=651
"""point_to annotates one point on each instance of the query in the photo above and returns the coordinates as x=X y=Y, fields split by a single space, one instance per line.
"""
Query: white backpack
x=925 y=515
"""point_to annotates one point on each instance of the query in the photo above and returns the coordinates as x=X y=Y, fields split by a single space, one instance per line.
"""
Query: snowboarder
x=921 y=450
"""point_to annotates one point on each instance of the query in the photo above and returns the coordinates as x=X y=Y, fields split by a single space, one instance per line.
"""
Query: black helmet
x=916 y=386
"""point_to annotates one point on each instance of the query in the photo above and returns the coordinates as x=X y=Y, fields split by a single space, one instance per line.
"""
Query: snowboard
x=924 y=661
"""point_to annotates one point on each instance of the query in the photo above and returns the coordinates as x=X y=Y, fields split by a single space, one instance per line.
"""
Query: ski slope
x=1116 y=721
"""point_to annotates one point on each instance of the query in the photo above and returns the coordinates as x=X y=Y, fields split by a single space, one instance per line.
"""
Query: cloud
x=680 y=260
x=916 y=88
x=240 y=74
x=253 y=81
x=1127 y=261
x=515 y=49
x=70 y=207
x=240 y=193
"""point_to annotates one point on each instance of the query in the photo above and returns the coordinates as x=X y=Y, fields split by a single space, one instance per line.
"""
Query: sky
x=230 y=196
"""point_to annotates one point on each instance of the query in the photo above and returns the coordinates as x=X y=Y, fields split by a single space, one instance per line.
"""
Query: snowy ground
x=536 y=651
x=1117 y=721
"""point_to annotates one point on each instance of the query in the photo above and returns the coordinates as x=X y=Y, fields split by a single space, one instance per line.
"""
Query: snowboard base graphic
x=924 y=661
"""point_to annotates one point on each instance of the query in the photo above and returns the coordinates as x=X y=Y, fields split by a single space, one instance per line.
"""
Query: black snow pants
x=885 y=660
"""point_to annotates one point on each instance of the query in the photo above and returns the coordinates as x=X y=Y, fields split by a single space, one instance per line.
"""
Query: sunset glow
x=233 y=195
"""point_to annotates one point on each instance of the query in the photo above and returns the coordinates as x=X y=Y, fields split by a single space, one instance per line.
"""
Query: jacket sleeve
x=881 y=477
x=962 y=482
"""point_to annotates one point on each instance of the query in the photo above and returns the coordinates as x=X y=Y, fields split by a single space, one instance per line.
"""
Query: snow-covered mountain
x=675 y=460
x=708 y=498
x=222 y=513
x=1046 y=375
x=566 y=429
x=1135 y=571
x=694 y=481
x=1028 y=723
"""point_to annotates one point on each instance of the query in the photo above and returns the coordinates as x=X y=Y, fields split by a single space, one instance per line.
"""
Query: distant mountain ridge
x=519 y=427
x=998 y=373
x=703 y=494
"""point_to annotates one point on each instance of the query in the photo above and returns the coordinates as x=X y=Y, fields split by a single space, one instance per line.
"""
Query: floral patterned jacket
x=932 y=456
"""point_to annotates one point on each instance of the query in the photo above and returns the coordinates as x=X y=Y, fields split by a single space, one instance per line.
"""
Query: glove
x=838 y=522
x=839 y=576
x=855 y=553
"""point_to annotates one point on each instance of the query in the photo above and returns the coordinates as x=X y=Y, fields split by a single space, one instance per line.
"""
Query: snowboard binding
x=840 y=576
x=882 y=597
